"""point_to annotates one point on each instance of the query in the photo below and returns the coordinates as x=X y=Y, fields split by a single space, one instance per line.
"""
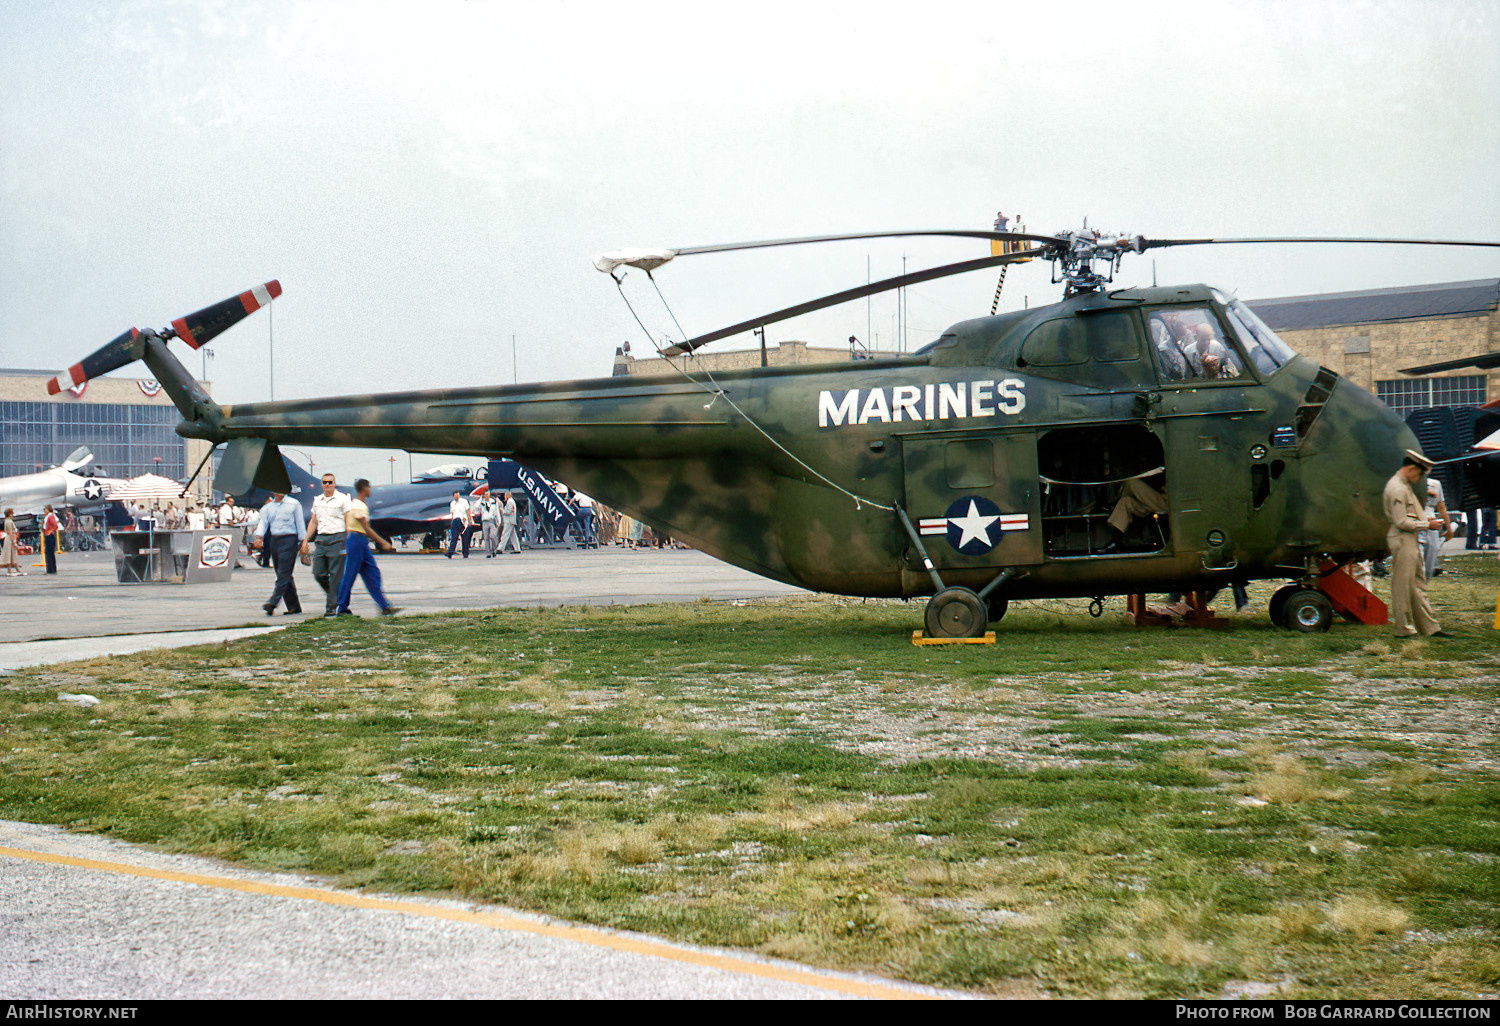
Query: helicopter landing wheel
x=996 y=608
x=1278 y=603
x=956 y=613
x=1307 y=611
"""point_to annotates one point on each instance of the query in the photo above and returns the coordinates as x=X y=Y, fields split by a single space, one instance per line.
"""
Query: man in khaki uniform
x=1137 y=499
x=1409 y=519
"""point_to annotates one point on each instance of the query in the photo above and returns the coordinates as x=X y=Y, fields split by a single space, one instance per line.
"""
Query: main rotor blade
x=1481 y=360
x=953 y=232
x=860 y=292
x=1163 y=243
x=197 y=328
x=126 y=347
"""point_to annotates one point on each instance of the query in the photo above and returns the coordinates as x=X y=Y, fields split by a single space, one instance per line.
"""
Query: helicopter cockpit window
x=1243 y=319
x=1058 y=343
x=1190 y=346
x=1098 y=348
x=1114 y=337
x=1260 y=357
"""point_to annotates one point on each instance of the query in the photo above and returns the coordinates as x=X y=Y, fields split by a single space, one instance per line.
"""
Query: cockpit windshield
x=1267 y=350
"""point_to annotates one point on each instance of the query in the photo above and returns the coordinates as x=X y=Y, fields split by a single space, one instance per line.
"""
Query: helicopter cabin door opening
x=973 y=498
x=1103 y=491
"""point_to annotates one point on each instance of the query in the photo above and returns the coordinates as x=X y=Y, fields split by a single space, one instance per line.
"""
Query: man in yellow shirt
x=359 y=561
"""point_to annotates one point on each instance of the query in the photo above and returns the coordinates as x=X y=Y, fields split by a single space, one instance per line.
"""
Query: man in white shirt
x=325 y=542
x=490 y=519
x=586 y=525
x=1210 y=357
x=458 y=513
x=1432 y=541
x=508 y=532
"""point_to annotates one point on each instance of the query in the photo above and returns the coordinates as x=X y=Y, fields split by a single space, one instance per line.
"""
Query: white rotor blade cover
x=644 y=259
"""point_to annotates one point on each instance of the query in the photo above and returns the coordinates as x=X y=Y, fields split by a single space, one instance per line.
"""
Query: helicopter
x=988 y=467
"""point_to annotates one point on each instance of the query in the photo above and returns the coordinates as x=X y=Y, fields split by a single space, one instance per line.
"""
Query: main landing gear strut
x=958 y=612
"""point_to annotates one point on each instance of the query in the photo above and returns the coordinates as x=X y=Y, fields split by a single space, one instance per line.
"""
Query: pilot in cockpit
x=1169 y=337
x=1208 y=354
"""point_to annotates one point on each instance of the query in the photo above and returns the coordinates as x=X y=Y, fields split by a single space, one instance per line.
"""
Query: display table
x=174 y=557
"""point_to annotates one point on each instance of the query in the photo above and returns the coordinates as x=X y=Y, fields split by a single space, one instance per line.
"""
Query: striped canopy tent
x=147 y=488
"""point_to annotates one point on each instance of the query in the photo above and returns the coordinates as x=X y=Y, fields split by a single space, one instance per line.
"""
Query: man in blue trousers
x=359 y=561
x=458 y=528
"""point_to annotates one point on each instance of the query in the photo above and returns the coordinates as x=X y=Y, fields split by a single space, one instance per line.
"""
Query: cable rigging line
x=718 y=392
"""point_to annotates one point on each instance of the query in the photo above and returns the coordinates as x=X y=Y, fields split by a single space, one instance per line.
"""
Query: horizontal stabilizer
x=250 y=463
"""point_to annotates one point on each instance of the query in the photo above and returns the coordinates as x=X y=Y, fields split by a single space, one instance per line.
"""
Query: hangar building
x=1369 y=336
x=128 y=423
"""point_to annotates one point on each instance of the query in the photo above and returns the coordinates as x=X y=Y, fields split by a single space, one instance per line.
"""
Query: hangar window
x=1406 y=396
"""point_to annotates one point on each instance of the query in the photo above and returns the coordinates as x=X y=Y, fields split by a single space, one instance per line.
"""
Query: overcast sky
x=428 y=179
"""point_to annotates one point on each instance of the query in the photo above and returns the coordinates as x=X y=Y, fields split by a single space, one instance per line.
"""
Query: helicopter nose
x=1347 y=456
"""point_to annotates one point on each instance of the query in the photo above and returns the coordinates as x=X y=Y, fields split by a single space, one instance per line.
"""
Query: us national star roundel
x=974 y=525
x=92 y=490
x=971 y=525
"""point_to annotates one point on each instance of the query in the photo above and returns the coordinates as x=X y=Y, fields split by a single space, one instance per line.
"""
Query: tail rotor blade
x=198 y=328
x=127 y=348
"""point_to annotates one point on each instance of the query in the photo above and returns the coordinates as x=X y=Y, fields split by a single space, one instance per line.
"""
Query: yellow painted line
x=494 y=920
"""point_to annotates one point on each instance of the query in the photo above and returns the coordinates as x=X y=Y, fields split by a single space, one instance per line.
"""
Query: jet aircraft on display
x=68 y=485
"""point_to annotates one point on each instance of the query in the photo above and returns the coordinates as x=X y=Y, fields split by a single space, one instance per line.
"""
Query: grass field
x=1079 y=810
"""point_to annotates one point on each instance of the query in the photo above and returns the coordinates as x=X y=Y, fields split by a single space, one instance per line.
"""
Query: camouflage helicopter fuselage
x=1264 y=471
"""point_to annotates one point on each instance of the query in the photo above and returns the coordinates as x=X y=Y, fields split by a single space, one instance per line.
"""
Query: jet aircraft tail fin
x=302 y=482
x=79 y=457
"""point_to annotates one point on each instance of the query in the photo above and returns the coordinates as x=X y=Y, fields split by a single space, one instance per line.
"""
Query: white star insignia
x=973 y=526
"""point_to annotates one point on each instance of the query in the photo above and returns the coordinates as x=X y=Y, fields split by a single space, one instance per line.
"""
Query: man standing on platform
x=1408 y=519
x=325 y=542
x=281 y=526
x=50 y=527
